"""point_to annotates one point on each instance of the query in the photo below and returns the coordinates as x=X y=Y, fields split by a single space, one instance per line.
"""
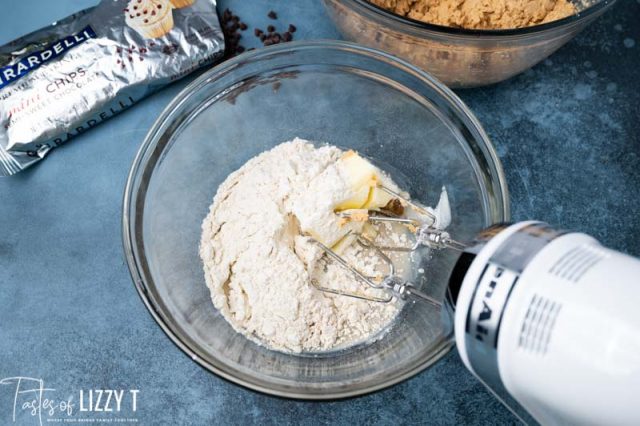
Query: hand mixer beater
x=417 y=219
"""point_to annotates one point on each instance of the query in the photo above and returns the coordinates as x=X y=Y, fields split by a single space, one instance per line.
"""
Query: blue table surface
x=568 y=135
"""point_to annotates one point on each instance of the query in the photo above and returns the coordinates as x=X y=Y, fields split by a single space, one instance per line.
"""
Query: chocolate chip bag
x=62 y=80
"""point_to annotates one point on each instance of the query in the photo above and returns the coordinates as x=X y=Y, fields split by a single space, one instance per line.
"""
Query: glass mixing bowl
x=458 y=57
x=332 y=92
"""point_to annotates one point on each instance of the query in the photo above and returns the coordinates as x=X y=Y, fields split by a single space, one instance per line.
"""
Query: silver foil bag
x=62 y=80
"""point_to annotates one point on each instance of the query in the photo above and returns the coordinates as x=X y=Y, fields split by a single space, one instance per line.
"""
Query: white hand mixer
x=548 y=318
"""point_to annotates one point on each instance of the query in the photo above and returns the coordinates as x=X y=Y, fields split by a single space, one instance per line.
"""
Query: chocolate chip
x=286 y=36
x=292 y=28
x=231 y=24
x=258 y=32
x=271 y=28
x=272 y=15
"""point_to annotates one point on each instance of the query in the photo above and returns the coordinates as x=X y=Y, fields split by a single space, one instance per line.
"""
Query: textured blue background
x=567 y=132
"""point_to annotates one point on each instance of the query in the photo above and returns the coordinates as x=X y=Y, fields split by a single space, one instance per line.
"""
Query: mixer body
x=552 y=319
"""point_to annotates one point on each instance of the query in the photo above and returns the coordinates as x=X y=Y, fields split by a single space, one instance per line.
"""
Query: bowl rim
x=137 y=173
x=442 y=29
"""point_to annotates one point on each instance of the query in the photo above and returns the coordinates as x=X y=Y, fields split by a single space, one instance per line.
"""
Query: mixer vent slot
x=538 y=324
x=576 y=262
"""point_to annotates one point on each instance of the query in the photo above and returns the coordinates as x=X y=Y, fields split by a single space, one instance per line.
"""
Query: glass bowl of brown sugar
x=460 y=57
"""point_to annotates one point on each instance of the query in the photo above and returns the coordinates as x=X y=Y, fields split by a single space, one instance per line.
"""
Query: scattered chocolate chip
x=250 y=49
x=231 y=24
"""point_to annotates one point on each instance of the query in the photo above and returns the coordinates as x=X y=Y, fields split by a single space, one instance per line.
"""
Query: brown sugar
x=481 y=14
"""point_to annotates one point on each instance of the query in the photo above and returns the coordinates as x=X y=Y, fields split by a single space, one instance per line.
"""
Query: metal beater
x=392 y=285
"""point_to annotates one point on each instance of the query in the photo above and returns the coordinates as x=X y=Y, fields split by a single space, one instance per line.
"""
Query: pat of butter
x=364 y=179
x=355 y=184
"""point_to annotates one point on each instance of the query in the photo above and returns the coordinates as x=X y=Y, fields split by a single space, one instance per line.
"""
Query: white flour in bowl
x=259 y=264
